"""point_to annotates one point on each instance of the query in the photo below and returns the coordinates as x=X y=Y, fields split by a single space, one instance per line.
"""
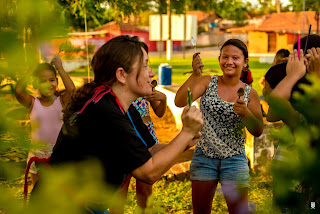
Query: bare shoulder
x=253 y=93
x=204 y=80
x=253 y=97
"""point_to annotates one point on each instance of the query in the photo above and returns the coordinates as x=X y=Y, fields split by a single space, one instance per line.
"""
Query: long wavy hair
x=121 y=51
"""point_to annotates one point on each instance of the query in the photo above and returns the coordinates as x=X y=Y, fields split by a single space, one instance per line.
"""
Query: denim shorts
x=233 y=170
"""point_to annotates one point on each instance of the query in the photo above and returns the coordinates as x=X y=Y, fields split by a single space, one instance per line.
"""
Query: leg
x=143 y=192
x=202 y=195
x=118 y=207
x=236 y=198
x=234 y=183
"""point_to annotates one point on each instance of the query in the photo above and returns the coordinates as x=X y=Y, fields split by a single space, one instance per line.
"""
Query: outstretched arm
x=158 y=101
x=68 y=83
x=164 y=156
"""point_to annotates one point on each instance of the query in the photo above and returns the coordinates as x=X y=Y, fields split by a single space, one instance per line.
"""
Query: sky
x=283 y=2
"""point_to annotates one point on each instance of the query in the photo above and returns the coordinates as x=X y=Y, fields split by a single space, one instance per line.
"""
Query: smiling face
x=232 y=61
x=139 y=80
x=47 y=83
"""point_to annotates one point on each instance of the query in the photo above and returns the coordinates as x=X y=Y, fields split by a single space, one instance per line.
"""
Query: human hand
x=240 y=108
x=156 y=96
x=313 y=57
x=197 y=64
x=296 y=67
x=192 y=120
x=57 y=63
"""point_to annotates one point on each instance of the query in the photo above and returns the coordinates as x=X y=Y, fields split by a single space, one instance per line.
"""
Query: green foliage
x=296 y=174
x=235 y=10
x=76 y=11
x=99 y=12
x=310 y=5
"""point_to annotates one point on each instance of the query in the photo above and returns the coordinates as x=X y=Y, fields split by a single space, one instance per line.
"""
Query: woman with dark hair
x=220 y=154
x=101 y=124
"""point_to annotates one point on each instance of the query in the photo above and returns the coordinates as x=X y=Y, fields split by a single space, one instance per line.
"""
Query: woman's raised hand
x=313 y=57
x=197 y=64
x=296 y=67
x=57 y=62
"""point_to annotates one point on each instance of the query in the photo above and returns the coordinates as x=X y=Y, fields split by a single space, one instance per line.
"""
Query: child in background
x=281 y=56
x=158 y=103
x=45 y=110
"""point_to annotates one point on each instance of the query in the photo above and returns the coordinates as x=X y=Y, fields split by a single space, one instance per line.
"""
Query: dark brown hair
x=277 y=72
x=121 y=51
x=278 y=58
x=44 y=67
x=313 y=42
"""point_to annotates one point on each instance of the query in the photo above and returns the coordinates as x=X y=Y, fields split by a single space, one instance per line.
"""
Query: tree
x=234 y=9
x=310 y=5
x=99 y=12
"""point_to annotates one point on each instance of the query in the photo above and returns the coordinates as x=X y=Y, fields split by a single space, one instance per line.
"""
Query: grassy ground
x=174 y=196
x=181 y=65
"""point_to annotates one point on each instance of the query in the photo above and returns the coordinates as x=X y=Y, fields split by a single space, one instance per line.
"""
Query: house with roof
x=205 y=20
x=114 y=29
x=271 y=32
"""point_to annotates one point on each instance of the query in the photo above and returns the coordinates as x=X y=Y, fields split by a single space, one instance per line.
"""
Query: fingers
x=196 y=54
x=185 y=110
x=198 y=135
x=301 y=55
x=315 y=52
x=294 y=56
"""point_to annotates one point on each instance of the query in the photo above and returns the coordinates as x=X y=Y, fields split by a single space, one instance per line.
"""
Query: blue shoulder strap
x=135 y=129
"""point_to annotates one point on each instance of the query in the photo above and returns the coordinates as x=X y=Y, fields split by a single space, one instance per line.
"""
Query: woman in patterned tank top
x=220 y=155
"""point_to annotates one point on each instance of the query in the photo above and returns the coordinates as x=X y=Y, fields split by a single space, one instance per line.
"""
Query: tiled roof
x=203 y=17
x=282 y=22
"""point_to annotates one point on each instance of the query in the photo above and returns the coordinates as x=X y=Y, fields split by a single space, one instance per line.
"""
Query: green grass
x=181 y=65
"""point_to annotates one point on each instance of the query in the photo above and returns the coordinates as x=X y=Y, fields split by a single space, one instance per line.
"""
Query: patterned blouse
x=222 y=132
x=142 y=105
